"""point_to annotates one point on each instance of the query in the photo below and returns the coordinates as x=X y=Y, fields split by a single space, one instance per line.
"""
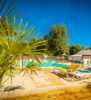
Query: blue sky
x=75 y=14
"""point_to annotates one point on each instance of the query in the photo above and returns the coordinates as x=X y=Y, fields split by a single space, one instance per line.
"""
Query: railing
x=41 y=57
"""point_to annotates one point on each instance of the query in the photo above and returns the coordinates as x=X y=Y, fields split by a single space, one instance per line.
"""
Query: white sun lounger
x=80 y=74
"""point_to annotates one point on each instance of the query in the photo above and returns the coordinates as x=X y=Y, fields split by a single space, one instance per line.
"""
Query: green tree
x=57 y=40
x=14 y=40
x=10 y=11
x=83 y=47
x=88 y=48
x=75 y=49
x=14 y=45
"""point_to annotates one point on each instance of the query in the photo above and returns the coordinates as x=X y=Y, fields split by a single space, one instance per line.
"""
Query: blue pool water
x=83 y=71
x=49 y=64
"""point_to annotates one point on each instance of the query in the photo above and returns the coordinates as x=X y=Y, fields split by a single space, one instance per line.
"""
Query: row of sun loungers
x=73 y=70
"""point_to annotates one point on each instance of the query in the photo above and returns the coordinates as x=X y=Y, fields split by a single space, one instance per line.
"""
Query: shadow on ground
x=12 y=88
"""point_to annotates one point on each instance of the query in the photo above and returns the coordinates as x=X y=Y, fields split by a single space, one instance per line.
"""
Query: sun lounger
x=71 y=70
x=81 y=74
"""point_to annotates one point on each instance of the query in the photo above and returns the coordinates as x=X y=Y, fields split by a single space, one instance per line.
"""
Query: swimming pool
x=52 y=64
x=49 y=64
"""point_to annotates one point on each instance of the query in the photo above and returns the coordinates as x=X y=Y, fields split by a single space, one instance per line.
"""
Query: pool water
x=49 y=64
x=52 y=64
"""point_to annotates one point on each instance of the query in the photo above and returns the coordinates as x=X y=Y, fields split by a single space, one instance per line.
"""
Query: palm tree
x=13 y=44
x=10 y=11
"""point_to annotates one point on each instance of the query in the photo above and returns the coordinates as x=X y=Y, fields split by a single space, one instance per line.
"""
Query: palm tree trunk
x=6 y=68
x=1 y=76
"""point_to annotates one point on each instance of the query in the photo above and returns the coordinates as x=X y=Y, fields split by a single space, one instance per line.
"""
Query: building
x=82 y=56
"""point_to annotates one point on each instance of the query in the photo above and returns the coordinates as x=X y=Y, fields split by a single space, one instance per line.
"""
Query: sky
x=74 y=14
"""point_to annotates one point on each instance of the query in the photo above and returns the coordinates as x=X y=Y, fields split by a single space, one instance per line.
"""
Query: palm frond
x=16 y=19
x=7 y=9
x=10 y=12
x=2 y=5
x=14 y=44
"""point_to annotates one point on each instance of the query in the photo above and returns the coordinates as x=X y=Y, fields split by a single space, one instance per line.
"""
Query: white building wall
x=75 y=58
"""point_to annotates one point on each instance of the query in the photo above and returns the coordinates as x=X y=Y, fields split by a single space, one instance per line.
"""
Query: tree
x=75 y=49
x=88 y=48
x=14 y=45
x=83 y=47
x=57 y=40
x=9 y=11
x=14 y=40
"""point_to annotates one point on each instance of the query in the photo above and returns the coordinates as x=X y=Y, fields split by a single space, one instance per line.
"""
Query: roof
x=83 y=53
x=64 y=54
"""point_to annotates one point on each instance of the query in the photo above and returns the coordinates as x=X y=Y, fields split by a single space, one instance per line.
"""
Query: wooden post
x=22 y=61
x=62 y=59
x=82 y=61
x=72 y=60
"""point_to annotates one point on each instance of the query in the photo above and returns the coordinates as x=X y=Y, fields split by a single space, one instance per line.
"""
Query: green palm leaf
x=10 y=12
x=14 y=44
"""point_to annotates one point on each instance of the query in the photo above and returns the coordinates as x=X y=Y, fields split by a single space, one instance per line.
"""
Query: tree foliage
x=15 y=40
x=88 y=48
x=14 y=45
x=57 y=40
x=75 y=49
x=10 y=11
